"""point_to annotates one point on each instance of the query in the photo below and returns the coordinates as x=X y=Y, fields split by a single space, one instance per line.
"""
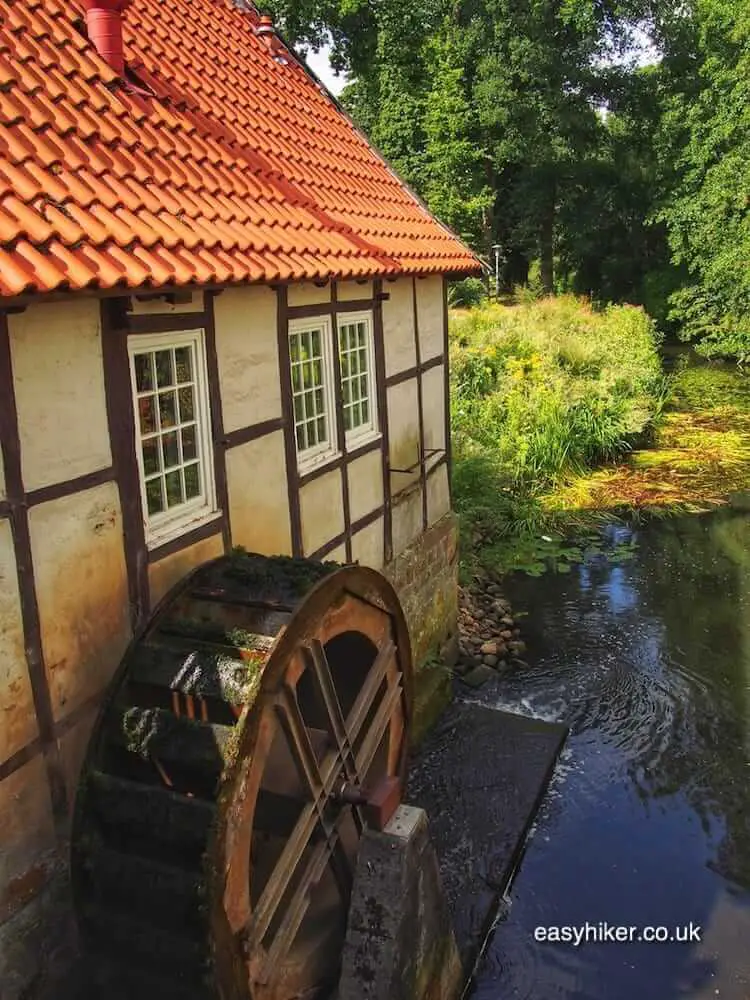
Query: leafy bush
x=467 y=293
x=540 y=391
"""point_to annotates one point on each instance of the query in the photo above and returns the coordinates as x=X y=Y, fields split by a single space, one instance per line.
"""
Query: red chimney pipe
x=104 y=26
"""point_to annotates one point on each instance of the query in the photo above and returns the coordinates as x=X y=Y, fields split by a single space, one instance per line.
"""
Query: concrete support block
x=399 y=942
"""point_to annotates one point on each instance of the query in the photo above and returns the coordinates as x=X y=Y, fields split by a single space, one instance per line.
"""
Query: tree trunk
x=547 y=243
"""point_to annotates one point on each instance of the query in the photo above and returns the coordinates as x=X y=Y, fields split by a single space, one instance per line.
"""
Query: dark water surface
x=648 y=819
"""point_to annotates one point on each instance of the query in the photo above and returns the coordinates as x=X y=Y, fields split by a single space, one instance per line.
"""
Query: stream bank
x=641 y=644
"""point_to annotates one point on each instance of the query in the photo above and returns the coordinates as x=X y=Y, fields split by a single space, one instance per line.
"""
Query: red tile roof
x=239 y=169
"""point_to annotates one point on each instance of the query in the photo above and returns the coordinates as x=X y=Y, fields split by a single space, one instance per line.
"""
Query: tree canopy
x=532 y=125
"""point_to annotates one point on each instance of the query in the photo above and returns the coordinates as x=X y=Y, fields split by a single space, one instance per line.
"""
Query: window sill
x=304 y=468
x=171 y=532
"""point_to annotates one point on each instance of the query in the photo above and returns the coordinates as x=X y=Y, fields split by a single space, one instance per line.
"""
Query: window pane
x=189 y=444
x=299 y=409
x=151 y=457
x=294 y=347
x=144 y=372
x=365 y=411
x=174 y=488
x=301 y=442
x=183 y=357
x=192 y=481
x=315 y=343
x=171 y=450
x=362 y=360
x=147 y=412
x=187 y=405
x=164 y=374
x=321 y=429
x=347 y=418
x=346 y=392
x=361 y=333
x=296 y=378
x=316 y=373
x=168 y=409
x=319 y=405
x=154 y=496
x=362 y=386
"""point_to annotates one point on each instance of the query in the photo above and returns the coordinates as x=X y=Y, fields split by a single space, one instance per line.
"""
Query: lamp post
x=496 y=248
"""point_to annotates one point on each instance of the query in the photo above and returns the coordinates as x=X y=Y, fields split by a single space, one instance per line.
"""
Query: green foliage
x=709 y=213
x=467 y=293
x=539 y=392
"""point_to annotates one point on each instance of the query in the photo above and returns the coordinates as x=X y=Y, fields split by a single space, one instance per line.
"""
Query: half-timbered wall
x=77 y=577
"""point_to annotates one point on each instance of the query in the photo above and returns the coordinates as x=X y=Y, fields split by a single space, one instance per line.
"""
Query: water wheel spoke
x=280 y=877
x=297 y=906
x=321 y=671
x=380 y=723
x=369 y=691
x=298 y=738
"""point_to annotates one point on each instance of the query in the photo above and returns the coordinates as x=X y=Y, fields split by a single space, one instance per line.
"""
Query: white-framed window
x=313 y=400
x=357 y=362
x=313 y=396
x=172 y=428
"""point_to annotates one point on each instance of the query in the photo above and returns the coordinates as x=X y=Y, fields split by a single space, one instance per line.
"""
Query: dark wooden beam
x=331 y=308
x=287 y=412
x=10 y=447
x=420 y=405
x=169 y=322
x=121 y=420
x=382 y=396
x=217 y=421
x=57 y=491
x=340 y=430
x=447 y=392
x=243 y=435
x=415 y=371
x=355 y=528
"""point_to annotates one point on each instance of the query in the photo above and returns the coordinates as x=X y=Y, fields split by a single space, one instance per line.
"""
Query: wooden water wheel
x=252 y=731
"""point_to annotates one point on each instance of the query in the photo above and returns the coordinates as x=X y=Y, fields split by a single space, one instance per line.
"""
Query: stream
x=647 y=821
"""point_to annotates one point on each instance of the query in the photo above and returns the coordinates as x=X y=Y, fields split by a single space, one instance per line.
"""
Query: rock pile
x=488 y=638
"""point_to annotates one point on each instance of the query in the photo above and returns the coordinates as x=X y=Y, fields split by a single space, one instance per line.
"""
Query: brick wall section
x=425 y=576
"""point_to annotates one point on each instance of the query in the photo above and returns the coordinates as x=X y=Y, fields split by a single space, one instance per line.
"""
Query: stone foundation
x=425 y=576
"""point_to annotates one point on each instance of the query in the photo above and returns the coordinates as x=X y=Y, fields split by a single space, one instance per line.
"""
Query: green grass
x=542 y=393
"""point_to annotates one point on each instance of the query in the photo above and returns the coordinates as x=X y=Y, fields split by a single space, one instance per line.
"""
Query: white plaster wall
x=348 y=290
x=438 y=494
x=407 y=520
x=430 y=316
x=365 y=485
x=18 y=724
x=367 y=545
x=167 y=572
x=161 y=306
x=398 y=326
x=59 y=384
x=433 y=408
x=258 y=502
x=307 y=293
x=403 y=433
x=322 y=511
x=247 y=352
x=81 y=585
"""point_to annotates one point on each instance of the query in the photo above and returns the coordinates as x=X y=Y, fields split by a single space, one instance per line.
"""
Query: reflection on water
x=648 y=822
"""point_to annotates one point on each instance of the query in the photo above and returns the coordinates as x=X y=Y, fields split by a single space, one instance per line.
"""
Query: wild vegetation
x=543 y=392
x=602 y=145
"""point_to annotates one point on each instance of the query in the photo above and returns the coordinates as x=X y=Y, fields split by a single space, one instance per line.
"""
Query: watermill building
x=223 y=323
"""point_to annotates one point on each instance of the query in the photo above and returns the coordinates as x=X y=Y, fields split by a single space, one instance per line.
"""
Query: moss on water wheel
x=212 y=854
